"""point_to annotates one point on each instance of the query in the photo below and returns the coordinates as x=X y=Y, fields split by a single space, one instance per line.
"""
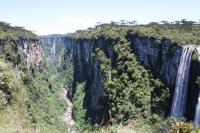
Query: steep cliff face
x=27 y=88
x=33 y=54
x=22 y=51
x=53 y=46
x=161 y=57
x=87 y=68
x=82 y=51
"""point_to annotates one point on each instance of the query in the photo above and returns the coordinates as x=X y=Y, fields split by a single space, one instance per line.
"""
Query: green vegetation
x=12 y=89
x=30 y=100
x=181 y=32
x=15 y=33
x=133 y=93
x=18 y=109
x=46 y=104
x=67 y=68
x=79 y=110
x=10 y=50
x=176 y=126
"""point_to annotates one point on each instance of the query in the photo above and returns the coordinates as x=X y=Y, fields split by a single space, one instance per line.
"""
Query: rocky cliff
x=53 y=46
x=162 y=57
x=87 y=69
x=32 y=53
x=22 y=51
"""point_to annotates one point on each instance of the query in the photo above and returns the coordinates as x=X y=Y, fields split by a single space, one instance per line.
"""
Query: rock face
x=53 y=46
x=27 y=52
x=87 y=69
x=82 y=50
x=33 y=54
x=161 y=57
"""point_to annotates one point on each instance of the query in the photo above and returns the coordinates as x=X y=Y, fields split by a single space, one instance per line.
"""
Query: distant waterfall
x=197 y=114
x=53 y=51
x=180 y=94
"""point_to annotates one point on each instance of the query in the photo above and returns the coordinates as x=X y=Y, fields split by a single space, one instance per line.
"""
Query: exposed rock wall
x=82 y=51
x=33 y=54
x=27 y=52
x=53 y=46
x=87 y=68
x=161 y=57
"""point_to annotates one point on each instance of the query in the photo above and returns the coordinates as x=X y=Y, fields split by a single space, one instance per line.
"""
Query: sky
x=65 y=16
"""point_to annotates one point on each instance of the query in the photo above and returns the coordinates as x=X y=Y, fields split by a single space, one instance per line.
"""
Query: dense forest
x=30 y=96
x=134 y=93
x=119 y=75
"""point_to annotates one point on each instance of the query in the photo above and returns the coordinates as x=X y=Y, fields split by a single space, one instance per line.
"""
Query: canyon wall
x=33 y=54
x=29 y=52
x=162 y=57
x=53 y=46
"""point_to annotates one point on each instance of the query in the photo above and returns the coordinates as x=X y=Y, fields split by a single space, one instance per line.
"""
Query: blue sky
x=63 y=16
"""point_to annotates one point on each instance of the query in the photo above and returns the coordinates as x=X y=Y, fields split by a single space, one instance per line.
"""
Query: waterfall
x=197 y=114
x=180 y=94
x=53 y=51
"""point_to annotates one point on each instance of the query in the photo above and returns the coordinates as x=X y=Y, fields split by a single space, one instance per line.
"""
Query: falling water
x=180 y=94
x=197 y=114
x=53 y=51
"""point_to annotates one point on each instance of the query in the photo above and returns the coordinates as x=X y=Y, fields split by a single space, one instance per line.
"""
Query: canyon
x=165 y=59
x=93 y=79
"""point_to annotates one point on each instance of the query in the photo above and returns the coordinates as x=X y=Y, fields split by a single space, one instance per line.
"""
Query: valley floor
x=67 y=117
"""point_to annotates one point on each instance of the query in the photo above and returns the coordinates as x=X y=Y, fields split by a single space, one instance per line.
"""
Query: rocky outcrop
x=33 y=54
x=28 y=53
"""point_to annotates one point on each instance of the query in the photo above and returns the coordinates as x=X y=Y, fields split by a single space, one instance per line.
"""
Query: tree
x=134 y=22
x=183 y=21
x=164 y=22
x=177 y=23
x=78 y=107
x=153 y=23
x=123 y=22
